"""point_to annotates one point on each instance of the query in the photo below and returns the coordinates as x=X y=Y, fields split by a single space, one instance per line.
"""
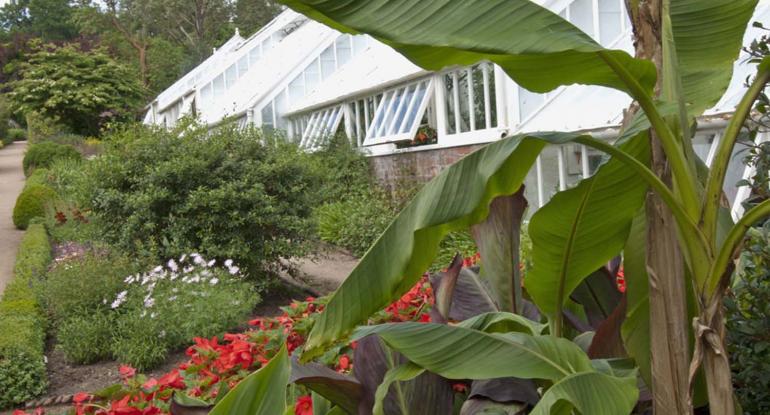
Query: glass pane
x=421 y=89
x=573 y=171
x=702 y=144
x=390 y=112
x=492 y=95
x=206 y=92
x=550 y=163
x=360 y=42
x=378 y=117
x=735 y=170
x=243 y=65
x=529 y=102
x=450 y=104
x=267 y=44
x=219 y=85
x=344 y=51
x=609 y=21
x=530 y=191
x=280 y=109
x=296 y=89
x=581 y=14
x=479 y=104
x=231 y=76
x=254 y=55
x=328 y=65
x=465 y=111
x=311 y=76
x=267 y=116
x=399 y=120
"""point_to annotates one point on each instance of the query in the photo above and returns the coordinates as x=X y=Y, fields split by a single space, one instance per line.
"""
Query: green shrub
x=86 y=338
x=355 y=222
x=40 y=127
x=22 y=325
x=137 y=342
x=32 y=203
x=17 y=134
x=84 y=284
x=5 y=118
x=43 y=154
x=221 y=193
x=748 y=324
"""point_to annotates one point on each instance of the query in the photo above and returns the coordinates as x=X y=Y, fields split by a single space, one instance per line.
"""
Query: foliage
x=17 y=134
x=32 y=203
x=41 y=127
x=45 y=153
x=223 y=194
x=344 y=171
x=251 y=15
x=79 y=286
x=47 y=19
x=84 y=338
x=5 y=117
x=22 y=326
x=355 y=221
x=748 y=326
x=83 y=90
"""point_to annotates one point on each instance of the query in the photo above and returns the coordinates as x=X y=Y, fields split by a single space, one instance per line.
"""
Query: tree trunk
x=669 y=339
x=710 y=346
x=142 y=50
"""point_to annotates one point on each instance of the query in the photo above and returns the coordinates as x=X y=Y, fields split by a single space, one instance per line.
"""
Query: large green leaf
x=589 y=393
x=636 y=328
x=707 y=37
x=262 y=392
x=462 y=353
x=454 y=200
x=537 y=48
x=580 y=229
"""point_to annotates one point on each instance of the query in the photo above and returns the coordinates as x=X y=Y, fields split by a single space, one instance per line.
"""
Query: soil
x=11 y=183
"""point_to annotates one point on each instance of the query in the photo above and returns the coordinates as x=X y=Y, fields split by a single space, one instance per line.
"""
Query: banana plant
x=685 y=53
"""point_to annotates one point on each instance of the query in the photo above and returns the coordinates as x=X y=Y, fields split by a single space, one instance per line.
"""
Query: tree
x=81 y=90
x=653 y=197
x=251 y=15
x=199 y=25
x=50 y=20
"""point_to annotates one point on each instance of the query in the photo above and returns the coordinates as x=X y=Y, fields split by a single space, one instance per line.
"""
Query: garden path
x=11 y=183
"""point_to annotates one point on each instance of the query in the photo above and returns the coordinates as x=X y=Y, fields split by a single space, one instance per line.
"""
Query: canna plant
x=652 y=200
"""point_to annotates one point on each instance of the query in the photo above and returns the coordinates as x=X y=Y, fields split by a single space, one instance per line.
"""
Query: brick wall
x=399 y=169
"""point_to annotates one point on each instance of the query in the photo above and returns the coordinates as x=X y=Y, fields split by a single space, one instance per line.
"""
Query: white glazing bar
x=388 y=110
x=562 y=169
x=275 y=116
x=595 y=12
x=584 y=161
x=378 y=113
x=487 y=103
x=410 y=107
x=540 y=191
x=713 y=149
x=438 y=81
x=308 y=127
x=366 y=115
x=357 y=115
x=456 y=99
x=393 y=128
x=471 y=114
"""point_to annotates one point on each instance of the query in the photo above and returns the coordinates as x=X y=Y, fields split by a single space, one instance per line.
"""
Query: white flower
x=157 y=269
x=175 y=290
x=129 y=279
x=120 y=299
x=205 y=273
x=172 y=298
x=149 y=302
x=211 y=263
x=152 y=315
x=198 y=260
x=229 y=263
x=182 y=258
x=233 y=270
x=188 y=270
x=214 y=281
x=172 y=265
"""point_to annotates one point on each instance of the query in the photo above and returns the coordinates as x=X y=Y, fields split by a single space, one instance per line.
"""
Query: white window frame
x=320 y=124
x=390 y=131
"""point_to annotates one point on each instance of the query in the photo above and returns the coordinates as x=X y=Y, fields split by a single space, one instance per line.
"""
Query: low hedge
x=22 y=323
x=45 y=153
x=32 y=203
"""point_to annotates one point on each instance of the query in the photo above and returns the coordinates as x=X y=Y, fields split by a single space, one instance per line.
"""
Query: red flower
x=81 y=397
x=344 y=363
x=171 y=380
x=304 y=406
x=126 y=372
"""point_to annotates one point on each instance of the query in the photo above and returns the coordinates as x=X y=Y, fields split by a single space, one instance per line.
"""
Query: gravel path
x=11 y=182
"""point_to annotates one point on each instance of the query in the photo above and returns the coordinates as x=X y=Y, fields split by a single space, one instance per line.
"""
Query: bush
x=221 y=193
x=5 y=118
x=32 y=203
x=83 y=285
x=86 y=338
x=39 y=127
x=748 y=324
x=45 y=153
x=22 y=325
x=355 y=222
x=17 y=134
x=138 y=343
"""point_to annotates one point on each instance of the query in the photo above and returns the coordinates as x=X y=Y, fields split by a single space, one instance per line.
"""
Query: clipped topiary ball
x=44 y=154
x=31 y=203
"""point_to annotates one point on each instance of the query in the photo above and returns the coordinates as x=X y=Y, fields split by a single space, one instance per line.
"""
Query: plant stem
x=716 y=178
x=684 y=179
x=731 y=244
